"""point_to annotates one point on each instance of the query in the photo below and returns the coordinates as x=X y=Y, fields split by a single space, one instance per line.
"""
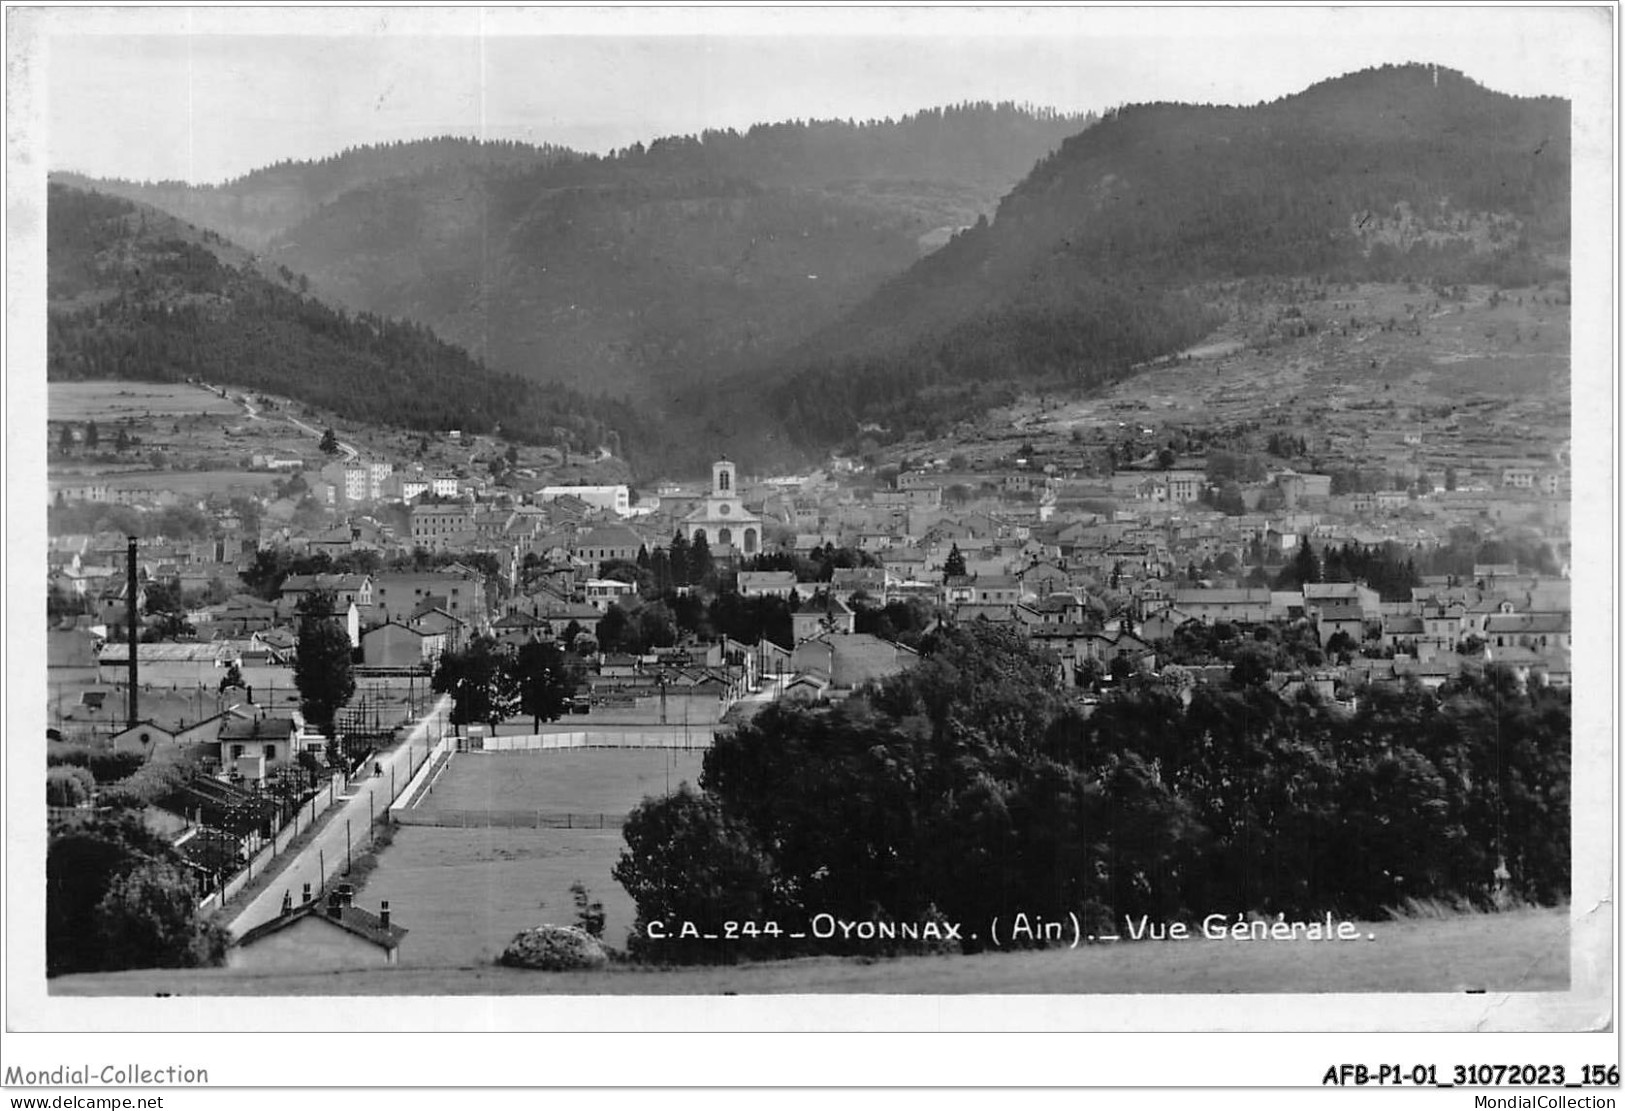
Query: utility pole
x=130 y=619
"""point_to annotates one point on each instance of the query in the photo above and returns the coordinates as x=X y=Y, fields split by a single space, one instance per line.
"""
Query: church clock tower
x=727 y=526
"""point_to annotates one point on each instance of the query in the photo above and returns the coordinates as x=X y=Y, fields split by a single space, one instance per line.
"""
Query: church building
x=729 y=529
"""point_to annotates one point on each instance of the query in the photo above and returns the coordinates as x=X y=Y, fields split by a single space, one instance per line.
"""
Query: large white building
x=617 y=499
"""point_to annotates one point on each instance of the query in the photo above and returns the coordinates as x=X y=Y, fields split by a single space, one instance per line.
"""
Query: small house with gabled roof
x=320 y=936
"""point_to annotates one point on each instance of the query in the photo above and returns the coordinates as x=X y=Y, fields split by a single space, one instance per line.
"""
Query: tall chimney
x=130 y=619
x=383 y=914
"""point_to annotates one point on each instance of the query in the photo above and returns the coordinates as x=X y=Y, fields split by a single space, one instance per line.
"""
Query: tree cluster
x=968 y=787
x=491 y=682
x=118 y=896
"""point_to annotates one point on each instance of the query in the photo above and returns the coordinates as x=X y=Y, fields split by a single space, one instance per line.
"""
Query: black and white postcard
x=607 y=520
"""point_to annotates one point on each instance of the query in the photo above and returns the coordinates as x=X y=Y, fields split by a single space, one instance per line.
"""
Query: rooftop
x=353 y=919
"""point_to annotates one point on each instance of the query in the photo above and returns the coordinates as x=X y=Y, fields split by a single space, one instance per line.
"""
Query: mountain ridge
x=1093 y=262
x=643 y=271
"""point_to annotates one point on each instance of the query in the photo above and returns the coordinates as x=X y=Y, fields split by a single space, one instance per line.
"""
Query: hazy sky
x=205 y=94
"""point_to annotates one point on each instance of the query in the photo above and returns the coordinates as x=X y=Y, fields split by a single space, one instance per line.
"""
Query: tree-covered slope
x=638 y=272
x=1090 y=265
x=134 y=293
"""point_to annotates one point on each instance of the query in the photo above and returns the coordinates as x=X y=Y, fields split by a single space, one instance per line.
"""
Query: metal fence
x=507 y=819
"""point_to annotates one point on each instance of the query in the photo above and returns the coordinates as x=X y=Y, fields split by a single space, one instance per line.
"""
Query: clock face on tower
x=724 y=509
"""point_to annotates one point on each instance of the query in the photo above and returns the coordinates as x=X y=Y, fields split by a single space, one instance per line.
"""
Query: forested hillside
x=1095 y=261
x=643 y=271
x=136 y=294
x=251 y=209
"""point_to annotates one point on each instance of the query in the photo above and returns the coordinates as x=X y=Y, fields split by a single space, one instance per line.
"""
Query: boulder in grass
x=554 y=949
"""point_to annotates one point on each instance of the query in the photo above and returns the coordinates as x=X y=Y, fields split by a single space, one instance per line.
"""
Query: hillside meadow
x=108 y=400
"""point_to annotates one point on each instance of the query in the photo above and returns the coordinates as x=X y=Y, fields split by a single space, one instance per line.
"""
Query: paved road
x=370 y=796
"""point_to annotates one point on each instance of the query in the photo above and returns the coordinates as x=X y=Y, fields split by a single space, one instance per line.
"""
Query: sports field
x=464 y=893
x=585 y=781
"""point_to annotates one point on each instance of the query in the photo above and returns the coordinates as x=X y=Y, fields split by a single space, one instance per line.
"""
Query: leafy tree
x=1252 y=669
x=954 y=565
x=167 y=626
x=1305 y=564
x=310 y=766
x=481 y=682
x=699 y=560
x=686 y=861
x=92 y=436
x=83 y=862
x=149 y=919
x=677 y=556
x=617 y=632
x=69 y=786
x=1120 y=670
x=324 y=668
x=121 y=442
x=571 y=632
x=109 y=767
x=1226 y=498
x=64 y=441
x=152 y=782
x=264 y=577
x=545 y=686
x=163 y=597
x=330 y=442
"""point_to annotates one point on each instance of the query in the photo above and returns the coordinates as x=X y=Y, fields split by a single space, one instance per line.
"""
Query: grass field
x=195 y=482
x=105 y=401
x=464 y=893
x=588 y=781
x=1523 y=951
